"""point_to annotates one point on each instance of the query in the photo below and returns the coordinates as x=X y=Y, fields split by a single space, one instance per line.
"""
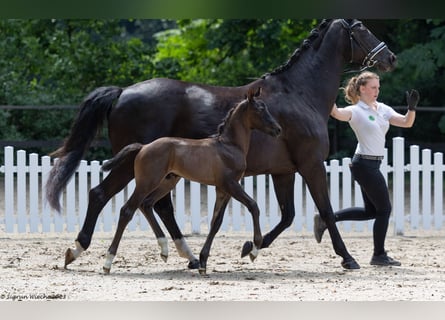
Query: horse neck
x=237 y=130
x=317 y=72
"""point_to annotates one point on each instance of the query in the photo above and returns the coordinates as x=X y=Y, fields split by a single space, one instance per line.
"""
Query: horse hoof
x=164 y=257
x=202 y=271
x=106 y=270
x=194 y=264
x=350 y=264
x=69 y=257
x=252 y=257
x=247 y=248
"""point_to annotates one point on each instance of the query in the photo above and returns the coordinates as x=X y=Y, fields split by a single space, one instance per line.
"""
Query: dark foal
x=219 y=161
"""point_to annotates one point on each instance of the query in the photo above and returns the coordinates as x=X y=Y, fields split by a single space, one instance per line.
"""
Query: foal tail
x=123 y=155
x=93 y=111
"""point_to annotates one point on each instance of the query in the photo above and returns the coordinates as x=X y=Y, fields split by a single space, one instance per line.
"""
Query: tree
x=227 y=52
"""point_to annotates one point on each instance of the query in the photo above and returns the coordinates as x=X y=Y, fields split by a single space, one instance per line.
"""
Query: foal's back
x=202 y=160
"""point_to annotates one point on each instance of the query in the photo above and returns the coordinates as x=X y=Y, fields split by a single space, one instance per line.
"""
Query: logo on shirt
x=371 y=117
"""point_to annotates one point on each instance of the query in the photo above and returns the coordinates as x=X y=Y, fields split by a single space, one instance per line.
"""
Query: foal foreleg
x=237 y=192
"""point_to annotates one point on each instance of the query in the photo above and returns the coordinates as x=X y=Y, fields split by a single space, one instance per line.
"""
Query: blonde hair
x=352 y=90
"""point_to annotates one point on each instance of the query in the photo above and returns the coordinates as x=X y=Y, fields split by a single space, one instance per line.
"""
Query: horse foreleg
x=284 y=190
x=218 y=214
x=317 y=184
x=97 y=199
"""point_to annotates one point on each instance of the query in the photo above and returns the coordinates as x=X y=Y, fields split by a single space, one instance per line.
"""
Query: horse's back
x=162 y=107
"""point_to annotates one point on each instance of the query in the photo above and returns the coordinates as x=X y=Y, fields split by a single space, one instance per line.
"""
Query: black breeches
x=375 y=197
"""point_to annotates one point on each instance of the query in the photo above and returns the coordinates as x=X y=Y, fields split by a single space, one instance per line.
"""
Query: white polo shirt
x=370 y=127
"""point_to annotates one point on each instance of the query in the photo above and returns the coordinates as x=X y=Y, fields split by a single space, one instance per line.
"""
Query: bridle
x=369 y=60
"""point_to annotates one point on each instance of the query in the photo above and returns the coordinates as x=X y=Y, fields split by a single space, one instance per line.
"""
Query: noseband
x=369 y=60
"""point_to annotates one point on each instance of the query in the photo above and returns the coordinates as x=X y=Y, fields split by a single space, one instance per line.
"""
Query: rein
x=369 y=61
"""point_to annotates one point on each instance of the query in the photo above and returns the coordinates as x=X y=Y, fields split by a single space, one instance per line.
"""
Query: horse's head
x=259 y=115
x=366 y=50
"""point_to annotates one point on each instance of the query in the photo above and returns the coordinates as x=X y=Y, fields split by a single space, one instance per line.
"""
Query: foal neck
x=237 y=129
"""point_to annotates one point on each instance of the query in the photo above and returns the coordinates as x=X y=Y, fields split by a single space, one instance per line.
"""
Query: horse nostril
x=393 y=58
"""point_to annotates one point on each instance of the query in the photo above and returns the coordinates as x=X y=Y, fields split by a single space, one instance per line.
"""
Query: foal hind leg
x=98 y=198
x=163 y=206
x=126 y=214
x=218 y=213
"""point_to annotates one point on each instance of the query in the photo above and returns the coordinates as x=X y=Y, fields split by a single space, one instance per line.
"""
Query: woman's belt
x=368 y=157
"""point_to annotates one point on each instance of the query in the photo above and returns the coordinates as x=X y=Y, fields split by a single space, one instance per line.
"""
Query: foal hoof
x=247 y=248
x=106 y=270
x=69 y=257
x=164 y=257
x=194 y=264
x=350 y=264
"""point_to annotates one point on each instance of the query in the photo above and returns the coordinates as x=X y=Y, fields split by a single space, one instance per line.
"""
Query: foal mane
x=315 y=34
x=223 y=124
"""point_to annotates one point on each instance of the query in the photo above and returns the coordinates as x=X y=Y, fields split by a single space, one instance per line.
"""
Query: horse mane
x=315 y=34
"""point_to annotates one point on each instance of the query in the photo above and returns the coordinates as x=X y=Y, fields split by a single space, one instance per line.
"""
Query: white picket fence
x=416 y=187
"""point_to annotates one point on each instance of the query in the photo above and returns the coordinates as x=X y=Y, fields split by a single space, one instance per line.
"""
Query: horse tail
x=92 y=113
x=124 y=154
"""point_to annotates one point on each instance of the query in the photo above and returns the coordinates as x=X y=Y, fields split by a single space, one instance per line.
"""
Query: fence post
x=248 y=187
x=298 y=200
x=9 y=189
x=195 y=206
x=426 y=188
x=46 y=211
x=414 y=186
x=399 y=185
x=261 y=199
x=22 y=220
x=34 y=192
x=438 y=190
x=273 y=204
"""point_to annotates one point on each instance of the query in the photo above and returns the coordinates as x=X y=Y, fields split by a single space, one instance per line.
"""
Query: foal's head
x=258 y=114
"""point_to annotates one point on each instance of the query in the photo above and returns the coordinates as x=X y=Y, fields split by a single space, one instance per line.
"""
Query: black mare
x=300 y=95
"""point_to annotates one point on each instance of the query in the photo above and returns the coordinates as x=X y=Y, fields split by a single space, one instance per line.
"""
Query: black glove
x=412 y=98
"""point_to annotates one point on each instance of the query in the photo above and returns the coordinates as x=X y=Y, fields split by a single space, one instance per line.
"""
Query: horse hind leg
x=97 y=199
x=164 y=208
x=147 y=210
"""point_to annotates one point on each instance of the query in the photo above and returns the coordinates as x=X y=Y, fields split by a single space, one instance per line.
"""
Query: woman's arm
x=403 y=121
x=407 y=120
x=341 y=114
